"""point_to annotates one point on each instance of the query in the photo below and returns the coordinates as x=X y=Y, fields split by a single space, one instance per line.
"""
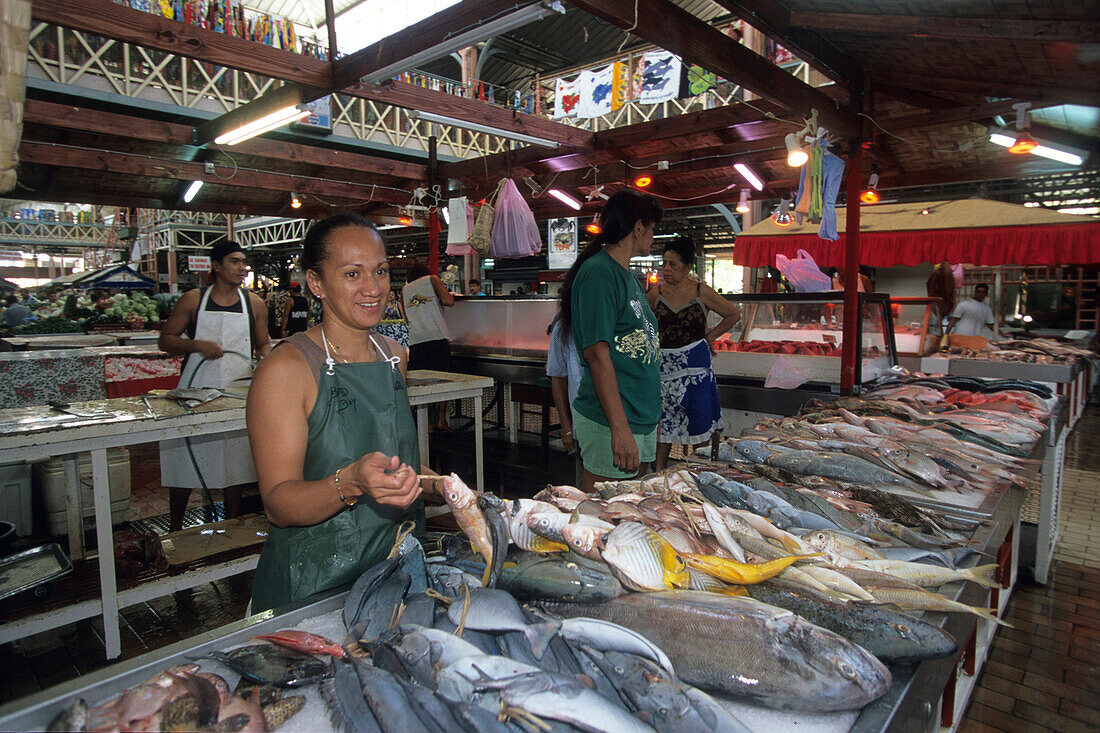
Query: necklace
x=336 y=348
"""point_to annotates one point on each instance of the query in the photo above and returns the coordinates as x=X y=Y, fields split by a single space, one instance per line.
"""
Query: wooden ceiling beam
x=774 y=20
x=667 y=25
x=50 y=114
x=929 y=26
x=1036 y=93
x=409 y=96
x=46 y=154
x=111 y=20
x=969 y=113
x=434 y=30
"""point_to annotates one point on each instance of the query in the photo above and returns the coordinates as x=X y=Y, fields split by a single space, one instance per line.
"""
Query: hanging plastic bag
x=465 y=214
x=457 y=232
x=515 y=233
x=803 y=273
x=785 y=375
x=481 y=235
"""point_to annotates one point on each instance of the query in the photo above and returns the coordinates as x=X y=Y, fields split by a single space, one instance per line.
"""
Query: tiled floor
x=1042 y=675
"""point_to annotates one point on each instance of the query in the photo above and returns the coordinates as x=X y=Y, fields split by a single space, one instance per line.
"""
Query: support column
x=471 y=263
x=851 y=348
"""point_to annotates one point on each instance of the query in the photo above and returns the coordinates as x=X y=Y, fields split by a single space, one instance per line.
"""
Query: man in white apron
x=219 y=328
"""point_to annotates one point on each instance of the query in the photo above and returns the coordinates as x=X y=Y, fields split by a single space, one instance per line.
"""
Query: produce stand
x=39 y=432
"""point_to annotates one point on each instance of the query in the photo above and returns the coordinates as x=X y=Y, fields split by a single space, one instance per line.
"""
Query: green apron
x=360 y=408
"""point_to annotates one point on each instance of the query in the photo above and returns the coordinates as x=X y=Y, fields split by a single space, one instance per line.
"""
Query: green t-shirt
x=610 y=306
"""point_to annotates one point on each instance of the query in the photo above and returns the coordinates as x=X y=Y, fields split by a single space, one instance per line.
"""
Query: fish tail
x=539 y=636
x=983 y=575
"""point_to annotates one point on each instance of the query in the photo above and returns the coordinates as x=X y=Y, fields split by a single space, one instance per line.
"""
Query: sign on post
x=198 y=263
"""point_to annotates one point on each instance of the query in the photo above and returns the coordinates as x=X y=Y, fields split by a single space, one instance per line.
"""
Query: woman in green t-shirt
x=618 y=404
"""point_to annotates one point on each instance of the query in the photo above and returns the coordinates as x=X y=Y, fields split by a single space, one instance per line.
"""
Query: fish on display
x=388 y=700
x=918 y=599
x=522 y=534
x=303 y=641
x=274 y=665
x=495 y=513
x=605 y=636
x=643 y=560
x=586 y=538
x=282 y=710
x=457 y=682
x=732 y=571
x=343 y=696
x=563 y=577
x=422 y=651
x=743 y=647
x=73 y=717
x=926 y=575
x=463 y=503
x=491 y=609
x=891 y=636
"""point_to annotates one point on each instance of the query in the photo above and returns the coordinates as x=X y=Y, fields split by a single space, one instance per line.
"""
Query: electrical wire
x=693 y=198
x=231 y=160
x=961 y=147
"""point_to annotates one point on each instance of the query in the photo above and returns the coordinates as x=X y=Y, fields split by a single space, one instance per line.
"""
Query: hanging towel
x=832 y=172
x=595 y=92
x=566 y=97
x=660 y=78
x=457 y=231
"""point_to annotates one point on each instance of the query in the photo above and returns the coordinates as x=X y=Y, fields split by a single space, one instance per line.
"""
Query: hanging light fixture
x=796 y=156
x=295 y=202
x=1023 y=143
x=870 y=195
x=565 y=198
x=782 y=216
x=405 y=219
x=594 y=227
x=743 y=203
x=643 y=181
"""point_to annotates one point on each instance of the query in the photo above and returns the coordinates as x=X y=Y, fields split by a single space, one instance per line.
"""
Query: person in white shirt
x=972 y=315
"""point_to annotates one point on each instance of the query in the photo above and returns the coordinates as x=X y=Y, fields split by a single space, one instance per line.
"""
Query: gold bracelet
x=566 y=432
x=340 y=492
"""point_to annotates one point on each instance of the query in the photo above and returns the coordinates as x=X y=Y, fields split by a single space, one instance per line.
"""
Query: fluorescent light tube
x=268 y=122
x=444 y=120
x=750 y=176
x=1062 y=156
x=191 y=191
x=471 y=37
x=565 y=199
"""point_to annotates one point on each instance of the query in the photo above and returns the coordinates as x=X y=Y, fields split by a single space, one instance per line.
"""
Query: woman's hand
x=624 y=450
x=385 y=479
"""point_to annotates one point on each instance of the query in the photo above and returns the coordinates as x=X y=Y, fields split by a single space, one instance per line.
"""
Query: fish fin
x=539 y=636
x=983 y=575
x=990 y=615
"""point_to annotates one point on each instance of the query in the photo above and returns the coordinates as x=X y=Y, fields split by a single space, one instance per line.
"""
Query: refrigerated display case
x=808 y=330
x=918 y=325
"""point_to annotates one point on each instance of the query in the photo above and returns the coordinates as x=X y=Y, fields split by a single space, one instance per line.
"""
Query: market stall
x=642 y=621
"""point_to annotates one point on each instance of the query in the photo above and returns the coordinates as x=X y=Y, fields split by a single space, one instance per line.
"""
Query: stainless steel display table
x=39 y=432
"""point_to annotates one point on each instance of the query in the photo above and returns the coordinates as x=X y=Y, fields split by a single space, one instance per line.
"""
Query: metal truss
x=269 y=232
x=53 y=234
x=80 y=60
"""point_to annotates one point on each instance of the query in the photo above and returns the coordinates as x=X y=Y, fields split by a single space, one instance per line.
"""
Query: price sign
x=198 y=263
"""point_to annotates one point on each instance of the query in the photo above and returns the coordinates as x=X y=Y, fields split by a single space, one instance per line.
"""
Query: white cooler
x=15 y=497
x=49 y=480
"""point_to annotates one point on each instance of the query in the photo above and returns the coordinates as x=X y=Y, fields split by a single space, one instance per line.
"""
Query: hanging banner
x=696 y=80
x=619 y=84
x=660 y=77
x=566 y=97
x=595 y=92
x=562 y=236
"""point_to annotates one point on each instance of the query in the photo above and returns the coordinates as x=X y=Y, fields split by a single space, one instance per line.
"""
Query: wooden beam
x=111 y=20
x=773 y=19
x=929 y=26
x=417 y=38
x=693 y=123
x=915 y=97
x=46 y=154
x=50 y=114
x=409 y=96
x=672 y=28
x=968 y=113
x=997 y=88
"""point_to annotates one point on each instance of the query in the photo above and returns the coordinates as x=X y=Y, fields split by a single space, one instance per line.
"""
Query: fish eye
x=903 y=630
x=846 y=669
x=663 y=712
x=619 y=670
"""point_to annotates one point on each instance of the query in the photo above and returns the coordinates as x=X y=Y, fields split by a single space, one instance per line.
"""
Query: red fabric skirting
x=1077 y=244
x=136 y=387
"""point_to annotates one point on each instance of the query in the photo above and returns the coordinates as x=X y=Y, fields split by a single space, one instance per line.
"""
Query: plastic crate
x=49 y=479
x=15 y=497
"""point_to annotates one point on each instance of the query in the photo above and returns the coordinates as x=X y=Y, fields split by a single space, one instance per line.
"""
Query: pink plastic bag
x=462 y=248
x=803 y=273
x=785 y=375
x=515 y=233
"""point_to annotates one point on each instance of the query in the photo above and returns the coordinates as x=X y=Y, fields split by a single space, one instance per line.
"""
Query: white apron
x=225 y=459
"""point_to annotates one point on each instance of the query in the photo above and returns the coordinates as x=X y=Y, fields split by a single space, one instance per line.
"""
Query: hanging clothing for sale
x=832 y=173
x=361 y=408
x=224 y=459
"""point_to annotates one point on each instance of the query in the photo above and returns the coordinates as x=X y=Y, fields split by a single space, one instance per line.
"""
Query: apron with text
x=360 y=408
x=225 y=459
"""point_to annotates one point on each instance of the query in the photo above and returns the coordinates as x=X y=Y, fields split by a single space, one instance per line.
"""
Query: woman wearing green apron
x=330 y=426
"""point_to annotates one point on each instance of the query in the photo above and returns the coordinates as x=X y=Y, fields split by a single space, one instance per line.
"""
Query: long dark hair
x=622 y=211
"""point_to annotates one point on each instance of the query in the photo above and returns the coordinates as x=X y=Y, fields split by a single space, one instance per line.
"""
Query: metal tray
x=17 y=572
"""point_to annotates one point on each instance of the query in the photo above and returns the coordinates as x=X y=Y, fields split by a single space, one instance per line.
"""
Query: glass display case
x=501 y=326
x=918 y=325
x=807 y=329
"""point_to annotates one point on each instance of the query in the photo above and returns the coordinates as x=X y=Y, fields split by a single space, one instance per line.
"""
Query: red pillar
x=851 y=348
x=433 y=242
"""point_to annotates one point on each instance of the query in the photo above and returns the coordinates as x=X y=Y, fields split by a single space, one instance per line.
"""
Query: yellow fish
x=741 y=573
x=643 y=560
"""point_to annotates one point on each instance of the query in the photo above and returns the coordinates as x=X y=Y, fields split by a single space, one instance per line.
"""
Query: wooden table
x=38 y=432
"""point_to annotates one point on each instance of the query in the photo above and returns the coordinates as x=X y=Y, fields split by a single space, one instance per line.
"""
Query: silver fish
x=496 y=610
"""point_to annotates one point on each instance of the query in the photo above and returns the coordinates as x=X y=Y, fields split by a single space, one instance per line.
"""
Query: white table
x=427 y=387
x=37 y=432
